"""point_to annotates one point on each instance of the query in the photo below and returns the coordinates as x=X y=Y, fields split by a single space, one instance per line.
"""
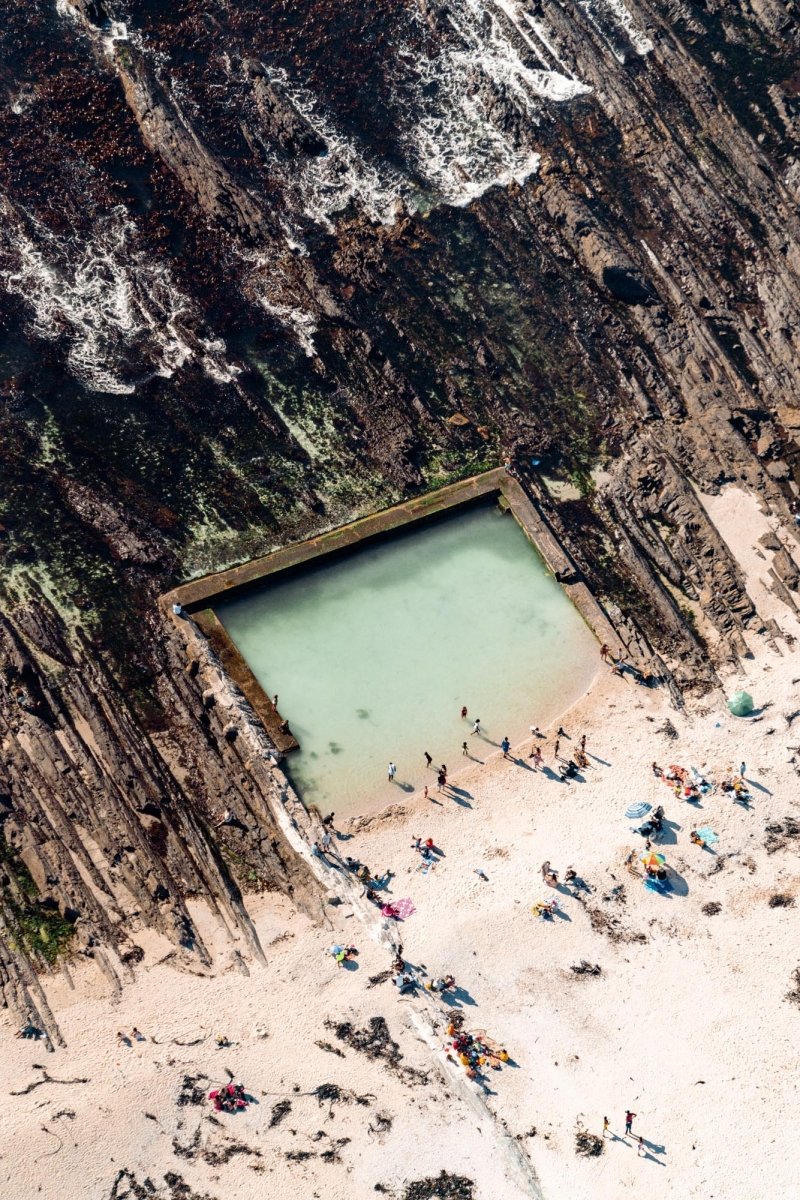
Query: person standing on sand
x=428 y=759
x=604 y=652
x=464 y=713
x=583 y=743
x=476 y=728
x=629 y=1120
x=505 y=746
x=641 y=1150
x=425 y=792
x=464 y=749
x=441 y=780
x=605 y=1126
x=536 y=755
x=555 y=749
x=742 y=769
x=392 y=771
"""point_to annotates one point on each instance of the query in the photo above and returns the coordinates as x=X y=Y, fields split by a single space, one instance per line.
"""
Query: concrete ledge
x=200 y=593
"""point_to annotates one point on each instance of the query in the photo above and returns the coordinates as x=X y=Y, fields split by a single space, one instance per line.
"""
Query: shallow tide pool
x=373 y=655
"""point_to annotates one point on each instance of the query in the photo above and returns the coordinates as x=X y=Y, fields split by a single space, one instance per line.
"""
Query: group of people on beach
x=474 y=1050
x=691 y=784
x=567 y=767
x=229 y=1099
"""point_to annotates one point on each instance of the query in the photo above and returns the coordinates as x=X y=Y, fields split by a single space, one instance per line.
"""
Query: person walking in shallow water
x=428 y=759
x=391 y=772
x=629 y=1120
x=476 y=728
x=464 y=713
x=464 y=749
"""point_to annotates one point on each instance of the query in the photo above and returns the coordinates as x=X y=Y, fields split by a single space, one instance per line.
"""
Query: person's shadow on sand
x=549 y=773
x=668 y=835
x=459 y=996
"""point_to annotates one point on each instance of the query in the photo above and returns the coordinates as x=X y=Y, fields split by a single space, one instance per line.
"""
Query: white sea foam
x=120 y=313
x=449 y=109
x=322 y=186
x=601 y=12
x=478 y=101
x=263 y=284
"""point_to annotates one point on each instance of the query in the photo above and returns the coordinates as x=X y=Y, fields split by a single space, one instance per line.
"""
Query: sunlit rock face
x=264 y=266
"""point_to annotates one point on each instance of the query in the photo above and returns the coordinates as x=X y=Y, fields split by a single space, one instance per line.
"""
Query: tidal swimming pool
x=372 y=654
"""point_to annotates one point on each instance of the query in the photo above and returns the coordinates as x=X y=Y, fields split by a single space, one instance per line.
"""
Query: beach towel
x=708 y=835
x=661 y=886
x=404 y=908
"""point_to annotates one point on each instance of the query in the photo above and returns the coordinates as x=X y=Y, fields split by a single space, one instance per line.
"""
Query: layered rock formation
x=266 y=266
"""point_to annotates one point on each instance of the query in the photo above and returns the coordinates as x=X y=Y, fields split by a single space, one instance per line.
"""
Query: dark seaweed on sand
x=443 y=1187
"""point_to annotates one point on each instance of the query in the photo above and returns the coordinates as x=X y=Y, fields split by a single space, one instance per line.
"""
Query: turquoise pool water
x=373 y=655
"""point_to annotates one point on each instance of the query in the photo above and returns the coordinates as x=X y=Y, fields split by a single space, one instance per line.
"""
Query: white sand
x=690 y=1029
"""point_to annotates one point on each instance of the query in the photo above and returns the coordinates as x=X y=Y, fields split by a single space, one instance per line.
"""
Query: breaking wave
x=119 y=312
x=612 y=19
x=477 y=103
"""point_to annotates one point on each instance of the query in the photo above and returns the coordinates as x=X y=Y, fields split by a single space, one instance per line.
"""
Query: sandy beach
x=354 y=1092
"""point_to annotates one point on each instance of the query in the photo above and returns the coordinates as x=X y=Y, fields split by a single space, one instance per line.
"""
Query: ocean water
x=373 y=655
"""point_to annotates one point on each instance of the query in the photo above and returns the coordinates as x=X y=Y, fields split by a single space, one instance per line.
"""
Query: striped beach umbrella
x=637 y=811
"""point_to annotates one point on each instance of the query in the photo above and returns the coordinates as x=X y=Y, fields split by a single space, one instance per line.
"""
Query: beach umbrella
x=653 y=860
x=741 y=704
x=636 y=811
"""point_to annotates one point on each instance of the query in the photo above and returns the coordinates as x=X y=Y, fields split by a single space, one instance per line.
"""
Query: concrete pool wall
x=199 y=596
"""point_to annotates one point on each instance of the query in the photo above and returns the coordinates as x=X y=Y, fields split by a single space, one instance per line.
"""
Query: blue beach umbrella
x=636 y=811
